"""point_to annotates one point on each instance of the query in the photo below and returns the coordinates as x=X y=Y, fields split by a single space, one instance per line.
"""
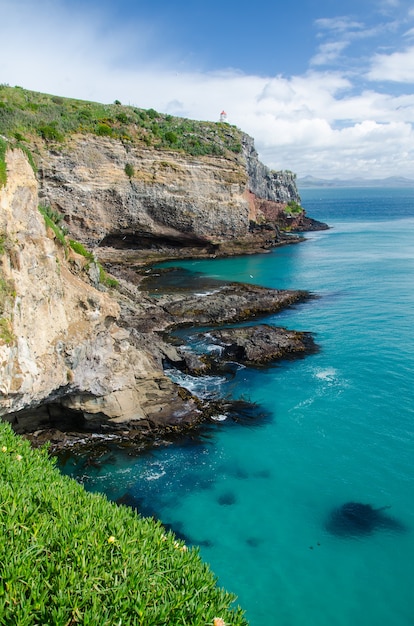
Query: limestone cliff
x=169 y=198
x=60 y=342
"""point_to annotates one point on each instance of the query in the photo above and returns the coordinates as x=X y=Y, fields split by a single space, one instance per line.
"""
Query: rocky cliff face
x=169 y=198
x=60 y=341
x=265 y=184
x=66 y=346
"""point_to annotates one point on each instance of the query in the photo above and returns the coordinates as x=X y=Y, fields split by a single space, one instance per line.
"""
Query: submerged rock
x=354 y=519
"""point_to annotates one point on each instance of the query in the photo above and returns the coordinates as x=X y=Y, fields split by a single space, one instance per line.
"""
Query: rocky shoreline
x=151 y=321
x=83 y=360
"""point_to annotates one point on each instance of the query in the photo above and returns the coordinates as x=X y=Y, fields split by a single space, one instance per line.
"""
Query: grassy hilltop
x=27 y=115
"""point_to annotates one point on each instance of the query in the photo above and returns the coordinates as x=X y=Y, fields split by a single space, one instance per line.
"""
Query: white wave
x=203 y=294
x=200 y=386
x=154 y=475
x=329 y=374
x=219 y=418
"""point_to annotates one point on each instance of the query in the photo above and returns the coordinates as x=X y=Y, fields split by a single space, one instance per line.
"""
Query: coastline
x=225 y=305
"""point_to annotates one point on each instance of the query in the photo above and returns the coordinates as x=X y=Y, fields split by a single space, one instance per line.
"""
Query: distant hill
x=392 y=181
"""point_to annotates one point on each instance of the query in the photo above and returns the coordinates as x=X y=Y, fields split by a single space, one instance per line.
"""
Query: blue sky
x=326 y=88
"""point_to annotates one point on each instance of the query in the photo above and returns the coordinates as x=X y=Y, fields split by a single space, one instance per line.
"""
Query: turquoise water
x=255 y=498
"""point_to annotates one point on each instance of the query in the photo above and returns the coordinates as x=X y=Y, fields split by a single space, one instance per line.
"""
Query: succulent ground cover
x=70 y=557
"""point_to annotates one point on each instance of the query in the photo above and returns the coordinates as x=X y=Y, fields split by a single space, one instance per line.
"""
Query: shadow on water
x=161 y=281
x=354 y=519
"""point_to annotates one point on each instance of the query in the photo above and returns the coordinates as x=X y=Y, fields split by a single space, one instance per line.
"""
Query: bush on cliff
x=71 y=557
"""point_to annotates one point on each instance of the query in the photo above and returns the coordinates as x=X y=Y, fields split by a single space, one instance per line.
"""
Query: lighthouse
x=223 y=116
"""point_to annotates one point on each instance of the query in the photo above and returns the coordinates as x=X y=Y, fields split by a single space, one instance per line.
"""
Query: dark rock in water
x=354 y=519
x=226 y=499
x=261 y=344
x=232 y=302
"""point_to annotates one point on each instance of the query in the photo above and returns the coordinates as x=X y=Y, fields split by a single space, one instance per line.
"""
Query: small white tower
x=223 y=116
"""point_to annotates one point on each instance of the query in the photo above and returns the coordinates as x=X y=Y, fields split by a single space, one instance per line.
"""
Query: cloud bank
x=332 y=120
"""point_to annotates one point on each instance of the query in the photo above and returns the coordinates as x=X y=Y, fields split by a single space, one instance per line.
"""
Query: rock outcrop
x=63 y=344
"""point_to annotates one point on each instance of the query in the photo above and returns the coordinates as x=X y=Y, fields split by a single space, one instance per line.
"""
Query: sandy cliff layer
x=169 y=198
x=60 y=340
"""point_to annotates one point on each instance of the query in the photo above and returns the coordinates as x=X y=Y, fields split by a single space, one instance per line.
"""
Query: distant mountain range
x=391 y=181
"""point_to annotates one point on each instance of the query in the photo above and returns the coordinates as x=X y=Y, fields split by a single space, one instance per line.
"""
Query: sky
x=325 y=87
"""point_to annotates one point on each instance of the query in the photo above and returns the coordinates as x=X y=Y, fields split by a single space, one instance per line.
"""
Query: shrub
x=129 y=170
x=293 y=208
x=49 y=132
x=24 y=112
x=72 y=557
x=152 y=113
x=171 y=137
x=104 y=130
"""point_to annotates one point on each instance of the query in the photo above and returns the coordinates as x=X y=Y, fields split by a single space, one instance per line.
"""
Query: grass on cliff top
x=26 y=114
x=70 y=557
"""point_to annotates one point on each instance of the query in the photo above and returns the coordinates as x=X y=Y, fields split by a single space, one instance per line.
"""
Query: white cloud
x=316 y=123
x=339 y=24
x=329 y=52
x=396 y=67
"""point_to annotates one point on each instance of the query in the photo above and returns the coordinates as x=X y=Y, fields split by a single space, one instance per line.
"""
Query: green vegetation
x=293 y=208
x=6 y=333
x=129 y=170
x=80 y=249
x=3 y=242
x=26 y=115
x=7 y=293
x=71 y=557
x=104 y=279
x=3 y=169
x=52 y=220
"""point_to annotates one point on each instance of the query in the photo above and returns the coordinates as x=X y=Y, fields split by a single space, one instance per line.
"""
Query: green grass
x=52 y=221
x=70 y=557
x=3 y=169
x=25 y=115
x=80 y=249
x=104 y=279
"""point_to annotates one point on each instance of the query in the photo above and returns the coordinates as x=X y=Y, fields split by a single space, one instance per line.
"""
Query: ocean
x=338 y=427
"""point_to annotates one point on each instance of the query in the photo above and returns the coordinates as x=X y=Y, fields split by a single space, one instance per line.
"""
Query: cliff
x=169 y=200
x=133 y=187
x=123 y=177
x=60 y=343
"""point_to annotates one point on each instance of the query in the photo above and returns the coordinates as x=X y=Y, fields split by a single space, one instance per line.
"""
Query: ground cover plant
x=70 y=557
